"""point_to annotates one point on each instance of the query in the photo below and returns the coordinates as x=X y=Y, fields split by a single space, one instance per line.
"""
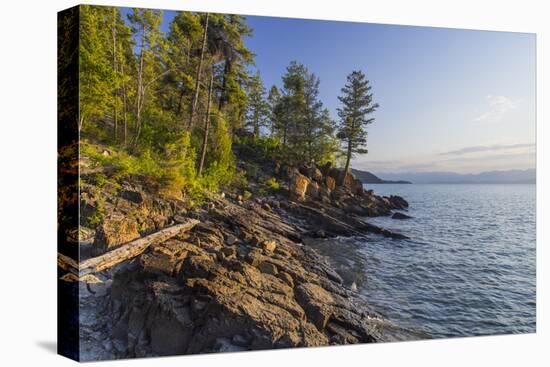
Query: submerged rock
x=398 y=215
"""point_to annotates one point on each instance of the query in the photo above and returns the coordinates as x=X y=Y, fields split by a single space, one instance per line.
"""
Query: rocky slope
x=242 y=279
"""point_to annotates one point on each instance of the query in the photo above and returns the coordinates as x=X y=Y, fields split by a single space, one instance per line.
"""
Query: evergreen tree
x=302 y=122
x=291 y=108
x=151 y=63
x=226 y=43
x=121 y=54
x=184 y=36
x=258 y=109
x=273 y=99
x=357 y=105
x=198 y=76
x=175 y=100
x=95 y=69
x=318 y=126
x=105 y=54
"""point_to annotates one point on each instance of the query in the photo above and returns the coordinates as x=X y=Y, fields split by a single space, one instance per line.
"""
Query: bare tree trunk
x=346 y=168
x=115 y=69
x=226 y=70
x=198 y=77
x=180 y=102
x=182 y=92
x=139 y=96
x=206 y=124
x=124 y=105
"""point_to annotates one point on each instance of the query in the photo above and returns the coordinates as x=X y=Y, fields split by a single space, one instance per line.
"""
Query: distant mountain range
x=367 y=177
x=508 y=176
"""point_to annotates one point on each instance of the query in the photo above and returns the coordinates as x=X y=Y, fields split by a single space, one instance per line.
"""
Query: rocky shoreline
x=244 y=278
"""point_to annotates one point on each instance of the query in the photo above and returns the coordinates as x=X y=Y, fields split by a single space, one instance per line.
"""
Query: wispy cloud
x=497 y=107
x=471 y=159
x=486 y=148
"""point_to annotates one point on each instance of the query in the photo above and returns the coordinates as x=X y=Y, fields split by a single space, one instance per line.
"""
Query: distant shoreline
x=488 y=177
x=450 y=183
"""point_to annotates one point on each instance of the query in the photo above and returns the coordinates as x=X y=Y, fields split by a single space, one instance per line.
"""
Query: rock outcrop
x=119 y=215
x=198 y=292
x=311 y=184
x=243 y=278
x=115 y=230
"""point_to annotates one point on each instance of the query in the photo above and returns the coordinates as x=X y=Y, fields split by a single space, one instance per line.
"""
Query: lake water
x=468 y=268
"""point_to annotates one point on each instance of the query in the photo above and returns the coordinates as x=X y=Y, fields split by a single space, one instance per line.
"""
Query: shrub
x=247 y=195
x=270 y=185
x=98 y=215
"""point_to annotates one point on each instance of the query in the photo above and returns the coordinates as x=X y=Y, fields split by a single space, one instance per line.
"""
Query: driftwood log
x=122 y=253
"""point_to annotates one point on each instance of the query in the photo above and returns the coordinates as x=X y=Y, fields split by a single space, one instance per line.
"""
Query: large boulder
x=397 y=202
x=352 y=184
x=115 y=230
x=330 y=183
x=298 y=186
x=313 y=190
x=315 y=174
x=316 y=302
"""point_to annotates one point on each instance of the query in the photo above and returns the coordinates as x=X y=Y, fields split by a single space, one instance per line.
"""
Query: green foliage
x=221 y=169
x=273 y=99
x=271 y=185
x=357 y=105
x=264 y=147
x=299 y=119
x=98 y=215
x=101 y=180
x=247 y=195
x=104 y=49
x=173 y=170
x=139 y=85
x=258 y=108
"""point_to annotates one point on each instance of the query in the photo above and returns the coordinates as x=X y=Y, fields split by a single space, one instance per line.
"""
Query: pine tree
x=257 y=109
x=95 y=64
x=227 y=47
x=120 y=50
x=273 y=99
x=150 y=61
x=228 y=32
x=198 y=76
x=291 y=109
x=206 y=128
x=357 y=105
x=302 y=122
x=184 y=36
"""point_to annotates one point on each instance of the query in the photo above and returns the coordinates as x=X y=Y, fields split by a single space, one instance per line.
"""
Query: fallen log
x=66 y=263
x=122 y=253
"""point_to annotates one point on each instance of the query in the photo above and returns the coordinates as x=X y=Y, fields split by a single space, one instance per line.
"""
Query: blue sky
x=450 y=99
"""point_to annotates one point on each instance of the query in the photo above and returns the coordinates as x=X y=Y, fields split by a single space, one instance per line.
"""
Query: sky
x=450 y=100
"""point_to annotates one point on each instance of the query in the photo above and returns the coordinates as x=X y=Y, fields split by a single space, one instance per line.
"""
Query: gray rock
x=398 y=215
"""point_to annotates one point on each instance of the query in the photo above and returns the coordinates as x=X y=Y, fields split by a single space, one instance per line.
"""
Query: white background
x=28 y=181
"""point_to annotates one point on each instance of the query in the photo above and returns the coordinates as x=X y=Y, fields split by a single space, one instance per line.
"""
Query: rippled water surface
x=468 y=267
